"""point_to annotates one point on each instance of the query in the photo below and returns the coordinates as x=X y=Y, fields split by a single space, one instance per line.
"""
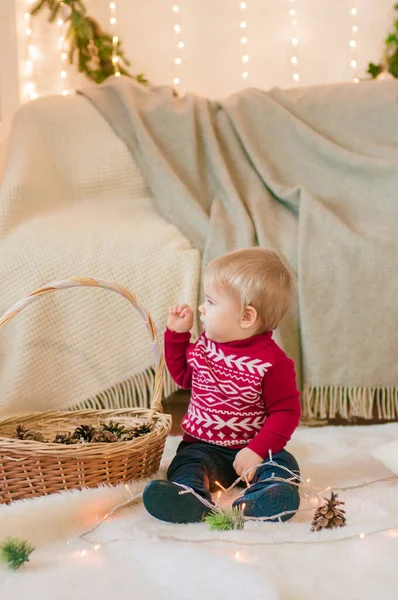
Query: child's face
x=221 y=315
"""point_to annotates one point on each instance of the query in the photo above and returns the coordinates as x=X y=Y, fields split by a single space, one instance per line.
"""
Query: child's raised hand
x=180 y=318
x=245 y=459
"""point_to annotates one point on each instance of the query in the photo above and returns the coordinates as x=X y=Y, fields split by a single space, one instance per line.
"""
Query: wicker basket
x=30 y=468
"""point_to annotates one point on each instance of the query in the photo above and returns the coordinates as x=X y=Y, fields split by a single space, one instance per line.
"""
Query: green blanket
x=310 y=172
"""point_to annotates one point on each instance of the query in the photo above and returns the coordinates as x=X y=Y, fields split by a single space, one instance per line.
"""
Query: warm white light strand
x=63 y=47
x=294 y=56
x=179 y=44
x=30 y=88
x=115 y=38
x=244 y=39
x=353 y=41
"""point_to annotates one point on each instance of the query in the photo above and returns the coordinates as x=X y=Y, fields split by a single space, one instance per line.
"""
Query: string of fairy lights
x=115 y=39
x=28 y=91
x=244 y=39
x=179 y=45
x=353 y=41
x=295 y=41
x=31 y=54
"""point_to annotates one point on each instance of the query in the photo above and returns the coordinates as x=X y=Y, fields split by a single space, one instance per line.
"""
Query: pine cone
x=105 y=436
x=136 y=432
x=21 y=433
x=65 y=438
x=113 y=427
x=329 y=516
x=84 y=433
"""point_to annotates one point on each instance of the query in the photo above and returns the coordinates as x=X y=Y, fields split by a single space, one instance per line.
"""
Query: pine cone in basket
x=105 y=436
x=84 y=433
x=329 y=516
x=113 y=427
x=136 y=432
x=65 y=438
x=21 y=433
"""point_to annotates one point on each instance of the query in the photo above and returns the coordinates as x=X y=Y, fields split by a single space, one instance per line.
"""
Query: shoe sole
x=162 y=499
x=273 y=500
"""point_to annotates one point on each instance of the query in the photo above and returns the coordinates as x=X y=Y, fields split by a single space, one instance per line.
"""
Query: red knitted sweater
x=243 y=393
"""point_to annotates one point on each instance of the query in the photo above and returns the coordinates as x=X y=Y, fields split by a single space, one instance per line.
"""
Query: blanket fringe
x=133 y=392
x=329 y=402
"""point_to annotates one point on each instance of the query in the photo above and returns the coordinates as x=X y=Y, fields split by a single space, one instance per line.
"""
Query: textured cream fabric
x=73 y=203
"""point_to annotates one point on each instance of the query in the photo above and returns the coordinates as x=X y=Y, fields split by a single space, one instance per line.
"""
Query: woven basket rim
x=17 y=446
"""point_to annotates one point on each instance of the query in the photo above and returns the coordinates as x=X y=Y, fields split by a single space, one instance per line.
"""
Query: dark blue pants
x=199 y=465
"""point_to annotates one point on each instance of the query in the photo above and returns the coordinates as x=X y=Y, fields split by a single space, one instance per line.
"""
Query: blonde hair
x=256 y=277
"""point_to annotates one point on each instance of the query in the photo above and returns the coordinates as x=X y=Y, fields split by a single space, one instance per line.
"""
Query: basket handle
x=156 y=403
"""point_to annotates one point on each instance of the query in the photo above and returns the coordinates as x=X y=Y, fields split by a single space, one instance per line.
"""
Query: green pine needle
x=225 y=520
x=15 y=552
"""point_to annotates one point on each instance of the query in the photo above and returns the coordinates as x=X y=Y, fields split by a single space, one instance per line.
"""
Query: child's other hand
x=180 y=318
x=245 y=459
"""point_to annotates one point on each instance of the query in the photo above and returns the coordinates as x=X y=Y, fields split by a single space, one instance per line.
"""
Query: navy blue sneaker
x=163 y=500
x=270 y=500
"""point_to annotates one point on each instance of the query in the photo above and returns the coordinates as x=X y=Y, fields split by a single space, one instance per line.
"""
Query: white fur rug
x=141 y=564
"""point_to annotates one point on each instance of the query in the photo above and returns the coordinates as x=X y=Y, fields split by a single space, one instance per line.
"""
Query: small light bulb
x=292 y=12
x=294 y=61
x=117 y=74
x=308 y=480
x=180 y=44
x=97 y=546
x=294 y=41
x=112 y=6
x=63 y=74
x=354 y=64
x=176 y=80
x=26 y=16
x=176 y=8
x=65 y=92
x=64 y=56
x=243 y=5
x=243 y=25
x=243 y=40
x=30 y=86
x=60 y=22
x=353 y=44
x=28 y=31
x=245 y=74
x=33 y=52
x=115 y=59
x=115 y=39
x=354 y=11
x=177 y=28
x=355 y=28
x=362 y=535
x=178 y=61
x=245 y=58
x=356 y=80
x=237 y=555
x=113 y=21
x=296 y=77
x=33 y=95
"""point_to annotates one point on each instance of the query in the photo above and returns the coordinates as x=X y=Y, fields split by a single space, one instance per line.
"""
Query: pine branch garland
x=90 y=46
x=225 y=520
x=389 y=62
x=15 y=552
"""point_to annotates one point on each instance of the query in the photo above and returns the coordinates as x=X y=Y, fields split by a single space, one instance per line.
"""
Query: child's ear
x=249 y=317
